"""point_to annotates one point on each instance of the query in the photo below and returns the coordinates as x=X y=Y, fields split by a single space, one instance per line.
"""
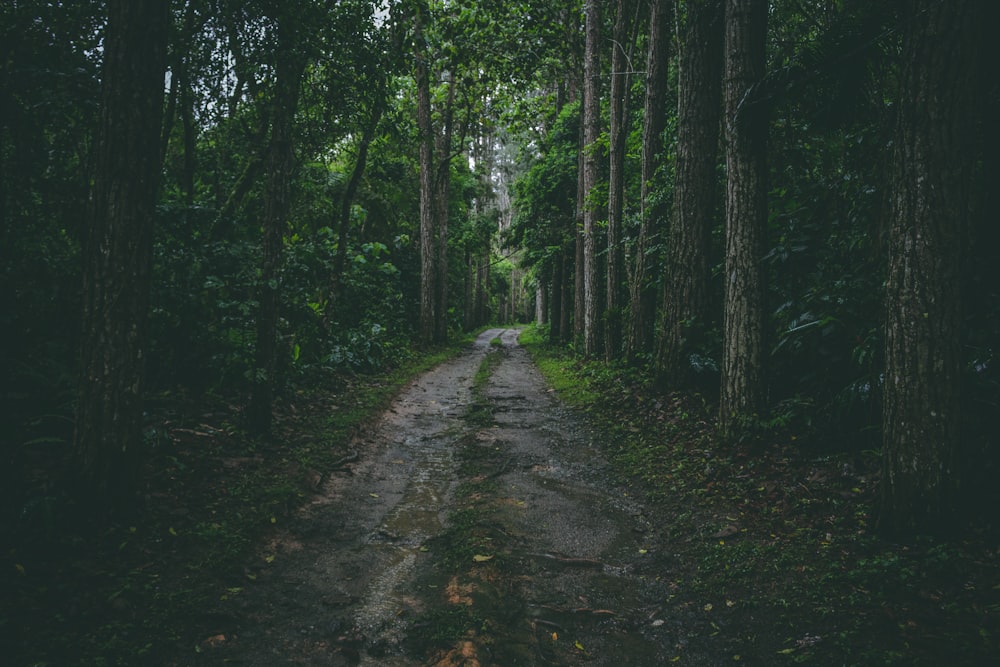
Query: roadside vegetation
x=773 y=543
x=137 y=591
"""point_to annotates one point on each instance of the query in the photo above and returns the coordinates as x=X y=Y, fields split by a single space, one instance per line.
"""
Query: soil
x=477 y=524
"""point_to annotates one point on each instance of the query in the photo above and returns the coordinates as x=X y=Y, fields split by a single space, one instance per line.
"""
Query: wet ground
x=475 y=526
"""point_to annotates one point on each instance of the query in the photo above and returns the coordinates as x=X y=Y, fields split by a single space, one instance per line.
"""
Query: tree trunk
x=579 y=291
x=556 y=305
x=442 y=197
x=118 y=255
x=642 y=311
x=934 y=159
x=591 y=135
x=685 y=311
x=621 y=61
x=276 y=206
x=428 y=233
x=742 y=391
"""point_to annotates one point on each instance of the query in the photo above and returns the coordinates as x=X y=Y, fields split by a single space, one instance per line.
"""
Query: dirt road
x=479 y=525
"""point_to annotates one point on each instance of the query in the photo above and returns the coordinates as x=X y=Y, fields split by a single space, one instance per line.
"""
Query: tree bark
x=428 y=233
x=936 y=150
x=591 y=135
x=118 y=255
x=277 y=203
x=579 y=291
x=742 y=392
x=622 y=47
x=642 y=310
x=685 y=310
x=442 y=198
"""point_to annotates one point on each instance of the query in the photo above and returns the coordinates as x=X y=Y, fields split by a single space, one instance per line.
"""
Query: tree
x=642 y=311
x=742 y=392
x=622 y=46
x=118 y=256
x=591 y=134
x=685 y=311
x=933 y=161
x=289 y=65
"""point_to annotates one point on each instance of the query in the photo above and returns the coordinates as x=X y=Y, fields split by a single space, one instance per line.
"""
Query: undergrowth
x=773 y=544
x=75 y=593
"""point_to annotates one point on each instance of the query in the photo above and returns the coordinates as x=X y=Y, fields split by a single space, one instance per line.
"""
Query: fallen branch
x=570 y=561
x=350 y=458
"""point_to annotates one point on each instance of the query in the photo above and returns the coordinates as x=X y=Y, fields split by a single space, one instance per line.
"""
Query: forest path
x=478 y=526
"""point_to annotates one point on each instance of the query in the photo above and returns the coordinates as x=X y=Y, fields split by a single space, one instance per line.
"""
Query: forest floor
x=495 y=514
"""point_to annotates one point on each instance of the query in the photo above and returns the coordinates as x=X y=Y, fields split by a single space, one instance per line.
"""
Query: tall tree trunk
x=118 y=254
x=277 y=203
x=579 y=291
x=591 y=173
x=642 y=311
x=556 y=299
x=428 y=233
x=685 y=311
x=622 y=47
x=742 y=391
x=442 y=197
x=935 y=155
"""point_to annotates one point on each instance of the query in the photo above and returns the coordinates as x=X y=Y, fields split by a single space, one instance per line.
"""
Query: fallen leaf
x=373 y=495
x=708 y=607
x=555 y=636
x=479 y=558
x=172 y=531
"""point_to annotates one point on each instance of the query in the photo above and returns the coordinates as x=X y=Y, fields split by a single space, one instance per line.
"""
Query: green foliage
x=545 y=193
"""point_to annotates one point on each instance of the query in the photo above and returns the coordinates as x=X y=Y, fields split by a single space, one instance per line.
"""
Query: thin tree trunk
x=622 y=47
x=685 y=312
x=442 y=197
x=591 y=135
x=556 y=299
x=644 y=278
x=428 y=233
x=579 y=290
x=742 y=392
x=936 y=151
x=118 y=255
x=276 y=206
